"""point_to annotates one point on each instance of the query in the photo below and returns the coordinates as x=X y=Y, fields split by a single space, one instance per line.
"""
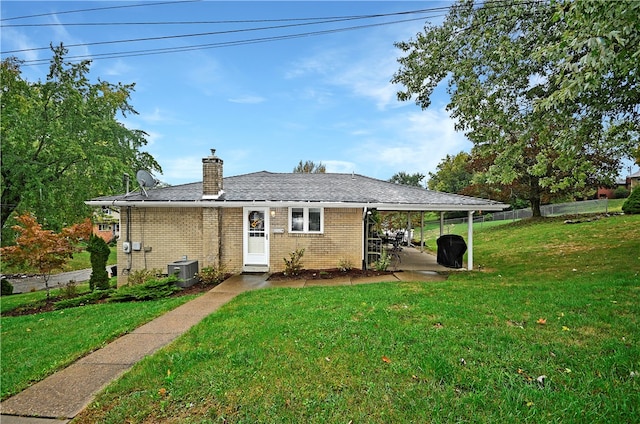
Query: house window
x=104 y=227
x=306 y=220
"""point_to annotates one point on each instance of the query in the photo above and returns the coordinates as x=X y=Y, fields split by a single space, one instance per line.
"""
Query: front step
x=255 y=268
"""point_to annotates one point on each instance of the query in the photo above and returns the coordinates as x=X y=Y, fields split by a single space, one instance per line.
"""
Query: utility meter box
x=185 y=270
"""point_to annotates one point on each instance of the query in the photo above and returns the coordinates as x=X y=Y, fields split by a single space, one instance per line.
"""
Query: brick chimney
x=211 y=176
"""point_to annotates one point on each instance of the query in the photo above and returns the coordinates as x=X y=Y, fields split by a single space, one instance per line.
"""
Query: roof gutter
x=283 y=204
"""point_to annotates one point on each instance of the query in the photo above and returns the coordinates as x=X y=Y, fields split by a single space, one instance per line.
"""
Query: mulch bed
x=325 y=274
x=49 y=305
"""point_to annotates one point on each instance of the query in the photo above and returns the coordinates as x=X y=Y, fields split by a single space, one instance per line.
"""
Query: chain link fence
x=572 y=208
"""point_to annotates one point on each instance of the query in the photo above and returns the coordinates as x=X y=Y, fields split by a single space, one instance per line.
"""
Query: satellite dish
x=145 y=180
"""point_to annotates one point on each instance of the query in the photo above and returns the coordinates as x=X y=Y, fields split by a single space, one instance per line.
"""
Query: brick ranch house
x=249 y=223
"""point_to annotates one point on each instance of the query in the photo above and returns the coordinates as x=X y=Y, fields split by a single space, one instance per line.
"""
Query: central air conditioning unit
x=185 y=270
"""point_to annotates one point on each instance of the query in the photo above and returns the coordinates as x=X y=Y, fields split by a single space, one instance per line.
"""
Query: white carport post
x=470 y=242
x=422 y=231
x=441 y=223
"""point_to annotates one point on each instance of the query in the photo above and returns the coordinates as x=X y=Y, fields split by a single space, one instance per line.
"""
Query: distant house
x=628 y=183
x=251 y=222
x=635 y=181
x=106 y=224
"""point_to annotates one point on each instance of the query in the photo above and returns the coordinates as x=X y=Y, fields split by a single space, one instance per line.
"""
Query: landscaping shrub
x=7 y=287
x=345 y=265
x=149 y=290
x=632 y=204
x=293 y=265
x=69 y=290
x=620 y=193
x=383 y=263
x=99 y=251
x=143 y=275
x=86 y=299
x=211 y=275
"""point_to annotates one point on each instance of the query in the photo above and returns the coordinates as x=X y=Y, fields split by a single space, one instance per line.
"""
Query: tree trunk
x=535 y=196
x=535 y=207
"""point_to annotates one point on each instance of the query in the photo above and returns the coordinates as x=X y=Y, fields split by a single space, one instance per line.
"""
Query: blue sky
x=263 y=106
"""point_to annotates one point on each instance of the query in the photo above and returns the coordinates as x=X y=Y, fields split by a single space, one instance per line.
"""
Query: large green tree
x=404 y=178
x=452 y=174
x=484 y=52
x=62 y=142
x=597 y=57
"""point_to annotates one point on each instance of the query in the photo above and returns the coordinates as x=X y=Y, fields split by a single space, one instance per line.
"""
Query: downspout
x=220 y=228
x=128 y=239
x=364 y=239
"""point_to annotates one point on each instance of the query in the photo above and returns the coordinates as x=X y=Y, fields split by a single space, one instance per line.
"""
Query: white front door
x=256 y=239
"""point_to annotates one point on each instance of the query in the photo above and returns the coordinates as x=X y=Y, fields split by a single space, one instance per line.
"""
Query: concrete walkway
x=63 y=395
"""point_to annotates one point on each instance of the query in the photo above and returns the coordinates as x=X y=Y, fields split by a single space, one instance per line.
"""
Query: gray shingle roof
x=296 y=187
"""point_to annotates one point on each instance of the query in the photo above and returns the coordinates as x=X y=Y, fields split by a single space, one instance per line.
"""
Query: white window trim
x=305 y=224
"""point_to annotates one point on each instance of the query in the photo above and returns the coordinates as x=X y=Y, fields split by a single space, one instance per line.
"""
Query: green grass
x=432 y=231
x=80 y=260
x=392 y=352
x=35 y=346
x=32 y=299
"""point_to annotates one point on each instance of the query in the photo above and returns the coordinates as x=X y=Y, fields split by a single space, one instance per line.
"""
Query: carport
x=410 y=209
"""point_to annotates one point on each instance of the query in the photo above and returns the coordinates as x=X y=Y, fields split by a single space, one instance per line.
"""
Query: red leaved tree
x=43 y=249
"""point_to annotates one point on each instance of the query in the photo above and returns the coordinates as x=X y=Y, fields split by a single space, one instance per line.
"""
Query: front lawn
x=548 y=332
x=35 y=346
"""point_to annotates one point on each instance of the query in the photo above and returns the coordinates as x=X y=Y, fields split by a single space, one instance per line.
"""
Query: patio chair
x=396 y=248
x=397 y=241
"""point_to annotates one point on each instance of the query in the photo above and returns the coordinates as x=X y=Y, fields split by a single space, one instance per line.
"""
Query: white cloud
x=318 y=95
x=339 y=166
x=61 y=35
x=369 y=77
x=18 y=40
x=364 y=69
x=247 y=99
x=117 y=68
x=181 y=170
x=153 y=137
x=412 y=142
x=320 y=63
x=157 y=116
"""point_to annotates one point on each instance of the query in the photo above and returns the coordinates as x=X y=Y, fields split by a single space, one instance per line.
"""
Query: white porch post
x=408 y=229
x=422 y=231
x=441 y=223
x=470 y=242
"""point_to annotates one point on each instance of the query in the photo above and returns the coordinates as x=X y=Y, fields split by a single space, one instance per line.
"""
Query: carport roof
x=291 y=189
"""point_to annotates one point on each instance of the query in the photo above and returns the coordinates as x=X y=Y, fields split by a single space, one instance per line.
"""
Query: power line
x=166 y=37
x=146 y=52
x=97 y=9
x=238 y=21
x=149 y=52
